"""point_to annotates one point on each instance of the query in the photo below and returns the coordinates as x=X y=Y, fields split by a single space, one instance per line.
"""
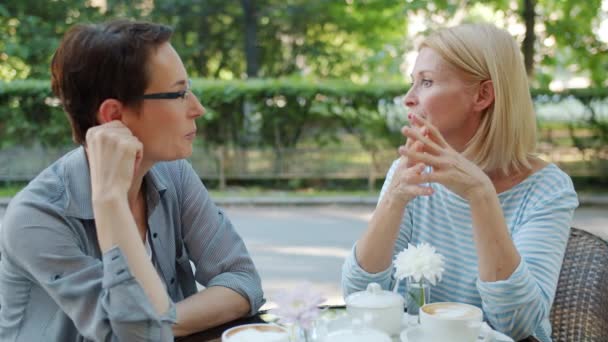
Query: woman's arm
x=497 y=256
x=519 y=304
x=209 y=308
x=222 y=262
x=374 y=251
x=354 y=276
x=116 y=227
x=113 y=152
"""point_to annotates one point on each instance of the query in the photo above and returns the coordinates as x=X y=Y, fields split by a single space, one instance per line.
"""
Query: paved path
x=291 y=244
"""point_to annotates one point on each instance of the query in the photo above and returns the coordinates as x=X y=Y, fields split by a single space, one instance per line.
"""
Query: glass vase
x=301 y=334
x=417 y=293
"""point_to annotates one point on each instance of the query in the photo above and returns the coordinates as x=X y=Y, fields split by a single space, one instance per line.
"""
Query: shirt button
x=154 y=235
x=172 y=280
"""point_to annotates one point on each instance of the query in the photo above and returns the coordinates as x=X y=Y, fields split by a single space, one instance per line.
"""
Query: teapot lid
x=374 y=297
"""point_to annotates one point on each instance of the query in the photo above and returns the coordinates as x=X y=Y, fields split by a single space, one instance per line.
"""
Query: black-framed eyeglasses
x=169 y=95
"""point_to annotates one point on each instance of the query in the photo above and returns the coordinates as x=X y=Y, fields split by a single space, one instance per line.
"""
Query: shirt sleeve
x=518 y=305
x=101 y=297
x=354 y=277
x=217 y=251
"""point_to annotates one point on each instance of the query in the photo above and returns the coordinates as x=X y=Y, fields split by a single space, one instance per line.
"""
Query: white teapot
x=380 y=309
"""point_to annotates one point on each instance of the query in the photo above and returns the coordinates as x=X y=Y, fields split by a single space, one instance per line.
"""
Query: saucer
x=416 y=334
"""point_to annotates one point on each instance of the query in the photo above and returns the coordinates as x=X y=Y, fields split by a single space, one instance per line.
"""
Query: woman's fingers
x=425 y=158
x=410 y=179
x=415 y=146
x=414 y=124
x=429 y=130
x=428 y=145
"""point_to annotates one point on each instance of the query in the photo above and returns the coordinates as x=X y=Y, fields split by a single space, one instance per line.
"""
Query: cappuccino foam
x=451 y=311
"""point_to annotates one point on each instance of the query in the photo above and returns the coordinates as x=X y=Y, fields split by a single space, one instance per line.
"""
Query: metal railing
x=222 y=164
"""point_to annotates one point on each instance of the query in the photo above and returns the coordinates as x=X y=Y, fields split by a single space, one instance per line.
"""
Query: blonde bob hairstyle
x=506 y=136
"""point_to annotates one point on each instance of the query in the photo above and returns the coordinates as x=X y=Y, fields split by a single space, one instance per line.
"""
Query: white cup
x=449 y=321
x=256 y=332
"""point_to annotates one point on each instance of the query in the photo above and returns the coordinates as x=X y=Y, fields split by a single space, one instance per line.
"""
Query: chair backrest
x=580 y=308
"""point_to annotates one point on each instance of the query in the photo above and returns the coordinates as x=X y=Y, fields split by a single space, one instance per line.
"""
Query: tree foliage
x=360 y=40
x=565 y=35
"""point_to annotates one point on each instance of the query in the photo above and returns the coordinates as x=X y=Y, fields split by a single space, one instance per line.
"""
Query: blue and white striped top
x=538 y=213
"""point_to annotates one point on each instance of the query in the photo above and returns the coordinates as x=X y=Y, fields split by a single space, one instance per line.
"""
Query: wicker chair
x=580 y=308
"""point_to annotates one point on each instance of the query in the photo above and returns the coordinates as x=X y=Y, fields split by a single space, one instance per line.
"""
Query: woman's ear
x=109 y=110
x=485 y=96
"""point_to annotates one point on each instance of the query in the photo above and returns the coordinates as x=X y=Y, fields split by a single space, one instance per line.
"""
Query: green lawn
x=250 y=192
x=253 y=191
x=9 y=190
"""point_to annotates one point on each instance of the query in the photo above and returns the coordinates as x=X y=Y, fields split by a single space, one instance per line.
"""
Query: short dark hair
x=96 y=62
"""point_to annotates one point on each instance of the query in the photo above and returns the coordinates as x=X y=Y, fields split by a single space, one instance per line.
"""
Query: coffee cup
x=256 y=332
x=377 y=309
x=450 y=321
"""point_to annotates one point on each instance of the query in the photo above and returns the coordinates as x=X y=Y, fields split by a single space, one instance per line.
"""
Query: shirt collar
x=77 y=180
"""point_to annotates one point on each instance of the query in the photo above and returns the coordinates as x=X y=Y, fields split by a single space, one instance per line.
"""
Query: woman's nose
x=198 y=109
x=410 y=99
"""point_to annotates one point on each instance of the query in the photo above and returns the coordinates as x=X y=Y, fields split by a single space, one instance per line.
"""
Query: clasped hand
x=426 y=146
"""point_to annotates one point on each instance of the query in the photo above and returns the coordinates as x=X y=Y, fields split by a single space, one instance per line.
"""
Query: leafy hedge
x=278 y=113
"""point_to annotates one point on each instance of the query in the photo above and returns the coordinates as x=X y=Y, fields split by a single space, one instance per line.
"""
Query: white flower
x=419 y=262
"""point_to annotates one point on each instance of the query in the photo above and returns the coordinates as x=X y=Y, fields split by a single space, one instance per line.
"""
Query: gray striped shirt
x=55 y=285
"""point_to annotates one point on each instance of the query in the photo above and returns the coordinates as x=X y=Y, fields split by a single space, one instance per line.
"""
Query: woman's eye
x=426 y=83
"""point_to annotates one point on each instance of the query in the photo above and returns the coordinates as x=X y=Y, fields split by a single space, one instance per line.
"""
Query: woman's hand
x=405 y=184
x=114 y=155
x=406 y=181
x=449 y=168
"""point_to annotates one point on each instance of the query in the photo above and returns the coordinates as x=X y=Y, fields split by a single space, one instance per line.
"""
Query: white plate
x=415 y=334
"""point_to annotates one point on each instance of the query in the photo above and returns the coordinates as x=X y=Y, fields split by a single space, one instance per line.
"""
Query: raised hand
x=449 y=167
x=114 y=155
x=406 y=180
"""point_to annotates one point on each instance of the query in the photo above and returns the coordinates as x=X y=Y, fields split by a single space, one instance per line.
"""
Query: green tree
x=559 y=34
x=30 y=31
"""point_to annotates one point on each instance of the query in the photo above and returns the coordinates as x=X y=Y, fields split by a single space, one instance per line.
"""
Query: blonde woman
x=468 y=183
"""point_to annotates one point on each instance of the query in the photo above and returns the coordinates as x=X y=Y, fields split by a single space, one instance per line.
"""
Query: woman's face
x=440 y=94
x=166 y=127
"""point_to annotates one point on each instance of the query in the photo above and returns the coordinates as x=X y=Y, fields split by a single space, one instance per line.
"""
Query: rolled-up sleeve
x=518 y=305
x=128 y=306
x=216 y=249
x=355 y=278
x=101 y=297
